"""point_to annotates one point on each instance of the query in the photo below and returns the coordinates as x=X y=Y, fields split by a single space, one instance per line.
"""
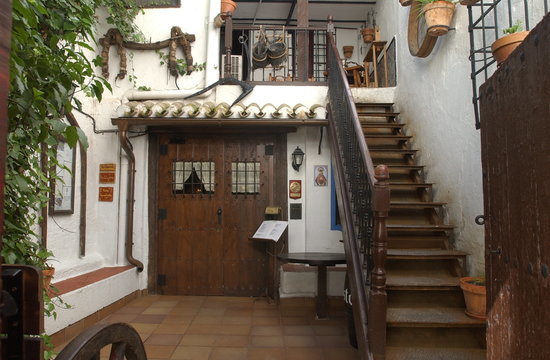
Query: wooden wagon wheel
x=428 y=42
x=125 y=341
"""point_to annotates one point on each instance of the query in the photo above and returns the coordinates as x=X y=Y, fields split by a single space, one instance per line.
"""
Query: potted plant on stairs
x=438 y=15
x=504 y=46
x=475 y=296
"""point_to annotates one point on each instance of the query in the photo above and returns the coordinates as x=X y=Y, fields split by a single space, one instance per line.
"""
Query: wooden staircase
x=425 y=317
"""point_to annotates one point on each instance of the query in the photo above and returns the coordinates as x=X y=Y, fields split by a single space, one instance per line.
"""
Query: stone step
x=425 y=254
x=430 y=317
x=423 y=281
x=434 y=353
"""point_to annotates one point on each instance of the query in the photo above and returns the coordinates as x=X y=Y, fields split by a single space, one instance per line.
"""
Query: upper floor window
x=158 y=3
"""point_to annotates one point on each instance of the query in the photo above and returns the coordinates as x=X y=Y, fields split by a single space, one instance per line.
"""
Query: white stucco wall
x=434 y=97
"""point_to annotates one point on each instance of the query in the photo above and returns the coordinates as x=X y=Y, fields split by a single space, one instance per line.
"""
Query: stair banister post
x=377 y=292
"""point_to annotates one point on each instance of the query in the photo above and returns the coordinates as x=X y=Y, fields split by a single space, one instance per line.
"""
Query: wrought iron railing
x=363 y=202
x=303 y=59
x=487 y=20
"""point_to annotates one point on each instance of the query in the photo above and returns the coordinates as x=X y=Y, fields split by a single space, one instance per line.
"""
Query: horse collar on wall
x=177 y=38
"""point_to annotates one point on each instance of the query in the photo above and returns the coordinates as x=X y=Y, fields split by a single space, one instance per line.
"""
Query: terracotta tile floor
x=226 y=328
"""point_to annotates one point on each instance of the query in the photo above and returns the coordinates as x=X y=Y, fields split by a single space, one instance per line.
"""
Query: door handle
x=219 y=212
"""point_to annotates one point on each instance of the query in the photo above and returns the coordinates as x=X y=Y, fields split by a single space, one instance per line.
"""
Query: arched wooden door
x=212 y=193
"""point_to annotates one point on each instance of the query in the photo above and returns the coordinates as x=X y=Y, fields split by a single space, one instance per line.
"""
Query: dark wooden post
x=303 y=40
x=228 y=44
x=378 y=297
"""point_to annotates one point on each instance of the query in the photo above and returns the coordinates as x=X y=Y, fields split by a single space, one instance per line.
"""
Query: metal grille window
x=193 y=177
x=245 y=177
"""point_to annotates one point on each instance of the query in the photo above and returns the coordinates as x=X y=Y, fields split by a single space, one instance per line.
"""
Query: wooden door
x=515 y=131
x=212 y=193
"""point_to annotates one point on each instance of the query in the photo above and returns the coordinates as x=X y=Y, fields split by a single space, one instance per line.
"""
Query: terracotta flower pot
x=348 y=51
x=475 y=297
x=468 y=2
x=47 y=276
x=405 y=2
x=438 y=17
x=504 y=46
x=228 y=6
x=368 y=35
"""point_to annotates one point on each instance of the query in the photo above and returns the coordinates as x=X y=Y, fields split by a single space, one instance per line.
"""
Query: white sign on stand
x=270 y=230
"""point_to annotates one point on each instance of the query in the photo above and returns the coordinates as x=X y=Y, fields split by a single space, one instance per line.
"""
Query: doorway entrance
x=212 y=195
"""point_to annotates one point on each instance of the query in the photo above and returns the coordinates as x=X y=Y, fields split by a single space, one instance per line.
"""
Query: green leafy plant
x=181 y=64
x=478 y=281
x=48 y=65
x=513 y=29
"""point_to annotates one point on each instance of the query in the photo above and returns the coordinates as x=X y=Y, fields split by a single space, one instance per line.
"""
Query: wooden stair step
x=393 y=151
x=417 y=228
x=375 y=125
x=370 y=104
x=415 y=204
x=433 y=254
x=431 y=317
x=395 y=169
x=421 y=282
x=387 y=137
x=387 y=114
x=409 y=185
x=434 y=353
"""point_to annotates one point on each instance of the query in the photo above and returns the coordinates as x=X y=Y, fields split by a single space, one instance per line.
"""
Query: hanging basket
x=348 y=51
x=438 y=17
x=475 y=296
x=259 y=52
x=368 y=35
x=405 y=2
x=277 y=53
x=504 y=46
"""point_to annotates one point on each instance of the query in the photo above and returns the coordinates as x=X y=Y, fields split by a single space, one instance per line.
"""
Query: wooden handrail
x=363 y=201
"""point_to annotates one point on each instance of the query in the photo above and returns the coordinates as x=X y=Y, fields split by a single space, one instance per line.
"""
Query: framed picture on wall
x=62 y=192
x=320 y=174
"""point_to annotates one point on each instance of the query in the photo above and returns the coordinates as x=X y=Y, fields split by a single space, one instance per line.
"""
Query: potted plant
x=438 y=15
x=228 y=6
x=348 y=51
x=504 y=46
x=405 y=2
x=468 y=2
x=475 y=296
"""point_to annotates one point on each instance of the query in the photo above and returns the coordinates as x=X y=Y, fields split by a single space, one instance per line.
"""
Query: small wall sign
x=106 y=193
x=107 y=173
x=295 y=189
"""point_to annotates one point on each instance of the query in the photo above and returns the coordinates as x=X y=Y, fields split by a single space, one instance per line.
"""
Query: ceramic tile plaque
x=106 y=193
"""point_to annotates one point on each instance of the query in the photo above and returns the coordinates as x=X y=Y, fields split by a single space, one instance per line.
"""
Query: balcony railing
x=299 y=53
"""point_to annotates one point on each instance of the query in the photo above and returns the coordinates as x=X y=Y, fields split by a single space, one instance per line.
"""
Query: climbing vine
x=48 y=65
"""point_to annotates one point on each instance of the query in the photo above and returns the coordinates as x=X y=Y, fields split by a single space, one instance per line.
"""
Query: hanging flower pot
x=228 y=6
x=475 y=296
x=438 y=15
x=504 y=46
x=368 y=34
x=468 y=2
x=348 y=51
x=405 y=2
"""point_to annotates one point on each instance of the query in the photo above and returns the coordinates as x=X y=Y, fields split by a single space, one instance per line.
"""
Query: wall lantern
x=297 y=158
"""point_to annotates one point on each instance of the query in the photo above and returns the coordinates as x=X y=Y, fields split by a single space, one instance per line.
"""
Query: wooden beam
x=302 y=40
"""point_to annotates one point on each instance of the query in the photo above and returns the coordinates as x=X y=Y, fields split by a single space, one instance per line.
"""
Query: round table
x=321 y=261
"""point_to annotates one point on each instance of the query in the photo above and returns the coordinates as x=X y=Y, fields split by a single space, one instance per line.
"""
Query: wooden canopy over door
x=212 y=194
x=515 y=129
